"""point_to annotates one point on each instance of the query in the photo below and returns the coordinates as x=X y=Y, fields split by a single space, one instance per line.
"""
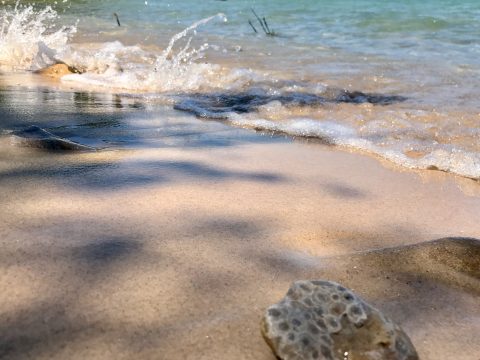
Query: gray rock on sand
x=36 y=137
x=324 y=320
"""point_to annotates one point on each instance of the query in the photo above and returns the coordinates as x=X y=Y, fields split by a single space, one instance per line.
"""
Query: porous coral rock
x=324 y=320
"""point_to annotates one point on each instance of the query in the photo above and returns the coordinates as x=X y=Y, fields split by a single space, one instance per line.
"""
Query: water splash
x=171 y=67
x=132 y=69
x=29 y=39
x=184 y=55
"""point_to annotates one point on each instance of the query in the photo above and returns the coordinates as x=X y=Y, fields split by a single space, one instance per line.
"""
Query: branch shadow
x=100 y=175
x=53 y=319
x=339 y=190
x=86 y=265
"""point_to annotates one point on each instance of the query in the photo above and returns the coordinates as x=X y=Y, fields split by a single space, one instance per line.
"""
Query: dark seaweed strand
x=260 y=21
x=266 y=25
x=253 y=27
x=116 y=17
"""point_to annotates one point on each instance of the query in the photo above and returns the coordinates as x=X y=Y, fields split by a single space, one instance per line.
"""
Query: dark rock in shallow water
x=36 y=137
x=358 y=97
x=201 y=110
x=324 y=320
x=218 y=106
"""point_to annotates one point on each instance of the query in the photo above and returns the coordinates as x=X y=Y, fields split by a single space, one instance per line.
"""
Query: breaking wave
x=445 y=158
x=373 y=123
x=130 y=68
x=30 y=39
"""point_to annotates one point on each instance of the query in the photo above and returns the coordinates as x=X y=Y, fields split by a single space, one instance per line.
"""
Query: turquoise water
x=299 y=82
x=392 y=28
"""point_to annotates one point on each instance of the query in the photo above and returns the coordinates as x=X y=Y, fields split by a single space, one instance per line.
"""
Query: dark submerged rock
x=324 y=320
x=218 y=106
x=36 y=137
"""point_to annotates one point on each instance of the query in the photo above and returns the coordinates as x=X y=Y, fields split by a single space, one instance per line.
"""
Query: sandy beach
x=174 y=248
x=169 y=169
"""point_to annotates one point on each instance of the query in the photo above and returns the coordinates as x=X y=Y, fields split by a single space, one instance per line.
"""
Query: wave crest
x=29 y=39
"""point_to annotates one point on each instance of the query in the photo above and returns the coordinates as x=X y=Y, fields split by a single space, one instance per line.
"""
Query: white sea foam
x=176 y=68
x=299 y=127
x=29 y=39
x=446 y=158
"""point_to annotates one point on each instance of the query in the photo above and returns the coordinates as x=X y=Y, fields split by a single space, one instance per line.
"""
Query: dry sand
x=158 y=253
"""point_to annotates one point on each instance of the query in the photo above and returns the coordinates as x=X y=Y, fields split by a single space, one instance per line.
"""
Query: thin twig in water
x=266 y=25
x=253 y=27
x=263 y=24
x=260 y=21
x=116 y=17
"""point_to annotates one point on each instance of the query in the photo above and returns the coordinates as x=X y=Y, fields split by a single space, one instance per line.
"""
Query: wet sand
x=172 y=249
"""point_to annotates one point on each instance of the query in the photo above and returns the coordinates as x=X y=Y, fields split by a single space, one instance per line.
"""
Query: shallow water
x=426 y=54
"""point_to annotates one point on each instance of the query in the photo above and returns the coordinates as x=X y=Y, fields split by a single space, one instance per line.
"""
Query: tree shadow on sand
x=93 y=289
x=114 y=174
x=139 y=292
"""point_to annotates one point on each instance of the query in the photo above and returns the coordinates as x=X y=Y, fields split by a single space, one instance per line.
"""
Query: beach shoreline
x=169 y=169
x=172 y=243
